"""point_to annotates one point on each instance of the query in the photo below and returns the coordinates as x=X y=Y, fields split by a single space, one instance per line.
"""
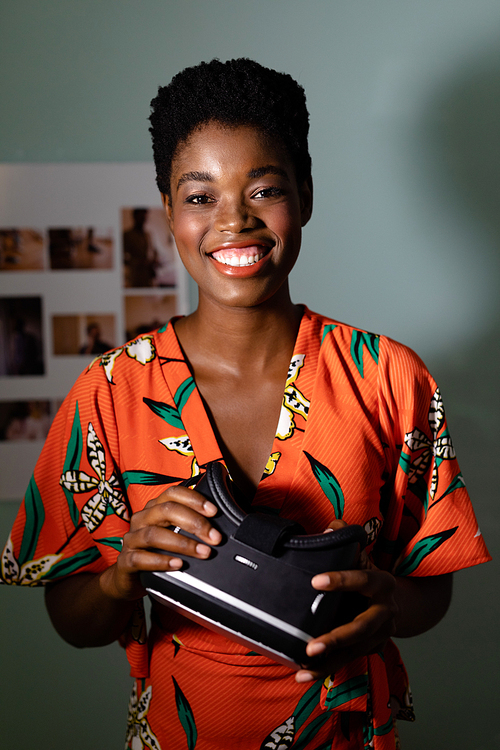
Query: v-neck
x=281 y=466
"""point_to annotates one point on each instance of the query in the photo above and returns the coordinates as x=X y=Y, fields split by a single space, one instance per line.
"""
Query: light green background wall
x=405 y=137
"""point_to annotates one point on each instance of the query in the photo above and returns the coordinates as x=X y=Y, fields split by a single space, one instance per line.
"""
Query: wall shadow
x=459 y=141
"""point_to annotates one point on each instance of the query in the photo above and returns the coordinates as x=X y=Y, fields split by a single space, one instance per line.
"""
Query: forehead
x=214 y=146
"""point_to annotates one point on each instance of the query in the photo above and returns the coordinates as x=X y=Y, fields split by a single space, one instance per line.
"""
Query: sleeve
x=429 y=523
x=75 y=511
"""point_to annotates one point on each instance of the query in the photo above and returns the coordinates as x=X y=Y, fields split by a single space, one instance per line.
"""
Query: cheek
x=187 y=231
x=286 y=224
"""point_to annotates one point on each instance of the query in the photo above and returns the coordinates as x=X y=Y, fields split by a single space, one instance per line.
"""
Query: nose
x=234 y=215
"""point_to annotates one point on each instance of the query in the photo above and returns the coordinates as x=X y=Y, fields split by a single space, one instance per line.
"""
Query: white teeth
x=238 y=260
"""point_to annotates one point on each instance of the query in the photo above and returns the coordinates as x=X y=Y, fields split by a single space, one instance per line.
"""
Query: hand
x=176 y=506
x=367 y=632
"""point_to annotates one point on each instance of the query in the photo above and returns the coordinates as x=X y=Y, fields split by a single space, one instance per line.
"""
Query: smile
x=237 y=257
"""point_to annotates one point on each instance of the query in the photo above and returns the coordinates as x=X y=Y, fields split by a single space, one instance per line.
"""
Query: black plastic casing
x=255 y=587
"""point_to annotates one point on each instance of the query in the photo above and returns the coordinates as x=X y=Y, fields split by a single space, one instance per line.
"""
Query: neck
x=240 y=339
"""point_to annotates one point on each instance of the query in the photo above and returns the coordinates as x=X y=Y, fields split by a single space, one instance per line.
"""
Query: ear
x=306 y=200
x=168 y=209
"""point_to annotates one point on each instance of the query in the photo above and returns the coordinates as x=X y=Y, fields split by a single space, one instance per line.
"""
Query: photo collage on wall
x=148 y=263
x=71 y=291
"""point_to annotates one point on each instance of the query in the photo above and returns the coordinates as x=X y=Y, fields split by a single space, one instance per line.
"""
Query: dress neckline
x=284 y=449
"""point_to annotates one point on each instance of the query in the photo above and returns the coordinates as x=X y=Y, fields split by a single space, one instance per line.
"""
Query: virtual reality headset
x=255 y=588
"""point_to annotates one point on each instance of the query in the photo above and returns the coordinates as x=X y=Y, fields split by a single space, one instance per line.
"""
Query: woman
x=233 y=167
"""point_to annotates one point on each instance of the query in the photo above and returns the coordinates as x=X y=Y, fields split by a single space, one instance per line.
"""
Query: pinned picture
x=21 y=346
x=80 y=248
x=83 y=334
x=145 y=313
x=21 y=250
x=149 y=254
x=25 y=420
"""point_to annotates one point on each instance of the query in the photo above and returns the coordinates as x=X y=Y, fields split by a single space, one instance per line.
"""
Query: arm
x=400 y=607
x=93 y=610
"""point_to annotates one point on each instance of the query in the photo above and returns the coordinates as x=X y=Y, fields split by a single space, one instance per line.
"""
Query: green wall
x=405 y=138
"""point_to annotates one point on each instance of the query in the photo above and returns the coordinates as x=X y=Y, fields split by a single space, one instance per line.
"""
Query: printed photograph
x=145 y=313
x=83 y=334
x=149 y=254
x=80 y=248
x=21 y=345
x=21 y=250
x=25 y=420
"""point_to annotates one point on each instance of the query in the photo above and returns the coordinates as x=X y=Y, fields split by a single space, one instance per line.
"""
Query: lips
x=240 y=261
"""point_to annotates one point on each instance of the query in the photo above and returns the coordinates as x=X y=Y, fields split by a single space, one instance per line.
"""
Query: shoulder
x=369 y=354
x=135 y=359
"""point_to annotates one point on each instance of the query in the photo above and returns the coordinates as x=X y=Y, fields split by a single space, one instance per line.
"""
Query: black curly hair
x=236 y=92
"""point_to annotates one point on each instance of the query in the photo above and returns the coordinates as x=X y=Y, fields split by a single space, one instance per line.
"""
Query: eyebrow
x=252 y=174
x=268 y=169
x=194 y=177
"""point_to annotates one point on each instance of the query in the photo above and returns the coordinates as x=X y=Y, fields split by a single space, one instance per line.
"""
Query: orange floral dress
x=362 y=436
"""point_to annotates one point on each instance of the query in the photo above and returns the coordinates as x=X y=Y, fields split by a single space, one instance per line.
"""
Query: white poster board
x=67 y=287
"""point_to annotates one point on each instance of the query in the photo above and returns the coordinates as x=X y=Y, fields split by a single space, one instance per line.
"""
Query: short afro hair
x=236 y=92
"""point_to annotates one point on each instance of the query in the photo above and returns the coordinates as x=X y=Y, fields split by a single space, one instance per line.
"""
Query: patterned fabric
x=362 y=436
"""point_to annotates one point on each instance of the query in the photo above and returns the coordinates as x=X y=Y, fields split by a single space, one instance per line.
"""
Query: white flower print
x=141 y=349
x=108 y=495
x=139 y=733
x=294 y=402
x=28 y=574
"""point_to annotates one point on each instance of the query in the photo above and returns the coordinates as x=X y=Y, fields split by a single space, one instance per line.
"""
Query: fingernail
x=304 y=677
x=209 y=507
x=314 y=649
x=203 y=550
x=175 y=563
x=215 y=535
x=321 y=581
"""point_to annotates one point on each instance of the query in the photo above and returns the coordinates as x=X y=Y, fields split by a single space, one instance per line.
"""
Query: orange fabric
x=360 y=413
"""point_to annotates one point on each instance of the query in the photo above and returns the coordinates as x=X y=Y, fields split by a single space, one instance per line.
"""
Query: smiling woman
x=316 y=421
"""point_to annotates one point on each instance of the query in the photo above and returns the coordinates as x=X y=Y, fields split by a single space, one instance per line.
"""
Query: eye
x=199 y=199
x=269 y=192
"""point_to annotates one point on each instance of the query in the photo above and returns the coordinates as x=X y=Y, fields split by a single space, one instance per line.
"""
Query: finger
x=376 y=621
x=153 y=537
x=334 y=525
x=184 y=516
x=370 y=583
x=327 y=659
x=185 y=496
x=138 y=560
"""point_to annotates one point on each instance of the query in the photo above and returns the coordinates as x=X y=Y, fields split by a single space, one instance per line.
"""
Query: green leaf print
x=73 y=563
x=166 y=412
x=405 y=462
x=359 y=340
x=421 y=549
x=35 y=516
x=312 y=730
x=183 y=392
x=384 y=729
x=328 y=329
x=284 y=734
x=307 y=704
x=328 y=484
x=112 y=541
x=171 y=414
x=72 y=461
x=457 y=483
x=185 y=716
x=347 y=691
x=136 y=476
